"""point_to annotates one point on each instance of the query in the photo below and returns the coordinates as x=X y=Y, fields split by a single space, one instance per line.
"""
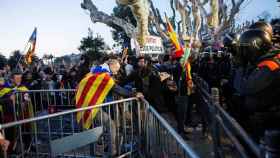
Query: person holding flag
x=93 y=89
x=181 y=74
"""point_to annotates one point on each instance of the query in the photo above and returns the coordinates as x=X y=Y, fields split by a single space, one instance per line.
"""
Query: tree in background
x=17 y=58
x=119 y=35
x=66 y=59
x=92 y=47
x=14 y=59
x=3 y=61
x=198 y=18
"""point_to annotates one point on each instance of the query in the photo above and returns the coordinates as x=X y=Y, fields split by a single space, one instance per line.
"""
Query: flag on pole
x=92 y=91
x=180 y=53
x=185 y=63
x=174 y=39
x=31 y=47
x=187 y=52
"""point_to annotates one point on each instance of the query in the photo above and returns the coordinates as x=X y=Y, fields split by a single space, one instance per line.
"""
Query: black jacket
x=261 y=90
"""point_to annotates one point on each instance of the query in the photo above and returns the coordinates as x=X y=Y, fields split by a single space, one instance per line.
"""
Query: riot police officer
x=260 y=84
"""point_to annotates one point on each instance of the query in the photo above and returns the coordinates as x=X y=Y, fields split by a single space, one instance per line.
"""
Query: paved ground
x=200 y=143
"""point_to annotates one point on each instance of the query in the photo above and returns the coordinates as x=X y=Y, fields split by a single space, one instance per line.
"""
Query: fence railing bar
x=47 y=90
x=29 y=120
x=59 y=126
x=179 y=139
x=240 y=131
x=233 y=139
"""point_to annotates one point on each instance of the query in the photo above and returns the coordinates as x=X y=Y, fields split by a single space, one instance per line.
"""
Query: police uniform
x=260 y=86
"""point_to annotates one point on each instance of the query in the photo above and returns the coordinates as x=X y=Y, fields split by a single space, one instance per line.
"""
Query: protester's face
x=2 y=81
x=8 y=68
x=115 y=68
x=141 y=63
x=17 y=79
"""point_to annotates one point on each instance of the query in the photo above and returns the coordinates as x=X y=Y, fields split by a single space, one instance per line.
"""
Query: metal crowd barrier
x=229 y=138
x=123 y=128
x=31 y=103
x=162 y=141
x=51 y=100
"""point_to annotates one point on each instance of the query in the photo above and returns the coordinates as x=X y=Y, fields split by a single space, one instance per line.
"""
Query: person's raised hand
x=139 y=95
x=4 y=144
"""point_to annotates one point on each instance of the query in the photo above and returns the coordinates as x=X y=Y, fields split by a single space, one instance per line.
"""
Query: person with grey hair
x=112 y=67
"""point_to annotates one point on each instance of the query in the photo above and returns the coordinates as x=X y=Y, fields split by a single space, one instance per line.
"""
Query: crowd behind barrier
x=127 y=127
x=213 y=68
x=216 y=94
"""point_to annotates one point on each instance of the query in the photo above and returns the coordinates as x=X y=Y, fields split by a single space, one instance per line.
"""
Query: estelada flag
x=31 y=47
x=178 y=51
x=92 y=90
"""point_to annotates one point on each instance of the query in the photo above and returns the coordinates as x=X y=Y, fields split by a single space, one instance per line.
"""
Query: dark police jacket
x=261 y=89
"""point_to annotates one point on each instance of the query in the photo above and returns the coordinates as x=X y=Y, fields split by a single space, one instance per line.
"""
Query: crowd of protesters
x=160 y=81
x=42 y=76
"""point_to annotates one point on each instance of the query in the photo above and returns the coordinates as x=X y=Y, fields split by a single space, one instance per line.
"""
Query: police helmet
x=253 y=44
x=262 y=25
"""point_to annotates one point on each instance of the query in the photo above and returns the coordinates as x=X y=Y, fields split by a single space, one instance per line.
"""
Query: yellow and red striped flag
x=92 y=90
x=174 y=39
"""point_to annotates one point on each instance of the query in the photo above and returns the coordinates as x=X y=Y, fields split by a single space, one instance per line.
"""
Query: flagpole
x=24 y=49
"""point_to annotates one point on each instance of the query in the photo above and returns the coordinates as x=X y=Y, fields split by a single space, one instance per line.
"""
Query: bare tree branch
x=140 y=10
x=151 y=26
x=204 y=2
x=222 y=11
x=159 y=17
x=227 y=23
x=184 y=15
x=179 y=29
x=156 y=20
x=111 y=21
x=197 y=19
x=202 y=6
x=173 y=20
x=154 y=23
x=215 y=13
x=204 y=28
x=233 y=3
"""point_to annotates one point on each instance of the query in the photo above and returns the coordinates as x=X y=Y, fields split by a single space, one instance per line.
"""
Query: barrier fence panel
x=229 y=138
x=27 y=104
x=162 y=141
x=51 y=100
x=123 y=128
